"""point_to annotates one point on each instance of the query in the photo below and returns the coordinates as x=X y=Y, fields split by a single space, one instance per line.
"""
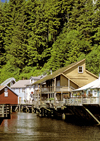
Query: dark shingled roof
x=57 y=72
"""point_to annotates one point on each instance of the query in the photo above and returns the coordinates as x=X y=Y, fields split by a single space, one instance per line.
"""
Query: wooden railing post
x=54 y=90
x=10 y=109
x=2 y=110
x=6 y=111
x=81 y=100
x=99 y=99
x=40 y=93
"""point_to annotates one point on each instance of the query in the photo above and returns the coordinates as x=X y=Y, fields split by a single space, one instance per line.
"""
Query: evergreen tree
x=36 y=35
x=92 y=60
x=2 y=47
x=96 y=23
x=81 y=20
x=17 y=52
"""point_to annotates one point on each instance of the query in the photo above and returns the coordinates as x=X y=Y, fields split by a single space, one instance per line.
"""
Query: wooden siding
x=63 y=81
x=79 y=78
x=73 y=85
x=11 y=99
x=73 y=72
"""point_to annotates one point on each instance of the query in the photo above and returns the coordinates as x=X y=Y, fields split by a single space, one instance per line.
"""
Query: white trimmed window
x=6 y=92
x=80 y=69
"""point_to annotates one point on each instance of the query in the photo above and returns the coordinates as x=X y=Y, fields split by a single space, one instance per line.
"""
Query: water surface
x=29 y=127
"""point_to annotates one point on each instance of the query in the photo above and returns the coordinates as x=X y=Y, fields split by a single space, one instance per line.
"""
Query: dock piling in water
x=4 y=112
x=79 y=112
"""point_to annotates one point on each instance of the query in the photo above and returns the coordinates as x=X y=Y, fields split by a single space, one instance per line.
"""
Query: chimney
x=51 y=71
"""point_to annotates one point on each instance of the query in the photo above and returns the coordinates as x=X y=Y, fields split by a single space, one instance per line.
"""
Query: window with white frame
x=80 y=69
x=6 y=92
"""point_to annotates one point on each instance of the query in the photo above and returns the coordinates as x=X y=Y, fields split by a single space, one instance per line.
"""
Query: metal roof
x=20 y=84
x=7 y=81
x=35 y=77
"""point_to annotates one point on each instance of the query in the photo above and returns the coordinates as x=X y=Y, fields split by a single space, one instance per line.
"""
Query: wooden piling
x=19 y=108
x=2 y=110
x=10 y=109
x=5 y=111
x=63 y=116
x=32 y=109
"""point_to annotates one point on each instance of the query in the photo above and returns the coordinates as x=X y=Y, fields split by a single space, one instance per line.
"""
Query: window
x=6 y=92
x=80 y=69
x=23 y=90
x=58 y=83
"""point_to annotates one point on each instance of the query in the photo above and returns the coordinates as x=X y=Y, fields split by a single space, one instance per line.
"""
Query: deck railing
x=90 y=100
x=51 y=89
x=69 y=101
x=26 y=102
x=81 y=100
x=47 y=89
x=62 y=88
x=73 y=101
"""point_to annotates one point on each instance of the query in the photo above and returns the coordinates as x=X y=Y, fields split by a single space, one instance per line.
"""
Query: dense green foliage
x=40 y=35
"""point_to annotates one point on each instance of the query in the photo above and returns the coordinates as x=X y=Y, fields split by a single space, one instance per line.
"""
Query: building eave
x=8 y=88
x=91 y=74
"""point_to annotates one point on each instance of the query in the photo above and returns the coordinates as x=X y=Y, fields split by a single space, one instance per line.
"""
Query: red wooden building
x=8 y=96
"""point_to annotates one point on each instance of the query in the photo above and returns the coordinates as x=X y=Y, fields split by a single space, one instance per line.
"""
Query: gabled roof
x=70 y=79
x=91 y=73
x=94 y=84
x=20 y=84
x=7 y=81
x=57 y=72
x=2 y=87
x=35 y=78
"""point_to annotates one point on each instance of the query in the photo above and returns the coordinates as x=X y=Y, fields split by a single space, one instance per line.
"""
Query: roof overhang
x=8 y=88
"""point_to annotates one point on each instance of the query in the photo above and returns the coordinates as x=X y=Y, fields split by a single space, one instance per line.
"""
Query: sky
x=3 y=0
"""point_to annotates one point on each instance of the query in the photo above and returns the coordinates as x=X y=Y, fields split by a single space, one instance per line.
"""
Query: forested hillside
x=39 y=35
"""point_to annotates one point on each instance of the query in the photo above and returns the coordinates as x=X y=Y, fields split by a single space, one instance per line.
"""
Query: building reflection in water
x=29 y=127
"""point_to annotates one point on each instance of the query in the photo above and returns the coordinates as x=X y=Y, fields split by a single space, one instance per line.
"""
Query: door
x=19 y=100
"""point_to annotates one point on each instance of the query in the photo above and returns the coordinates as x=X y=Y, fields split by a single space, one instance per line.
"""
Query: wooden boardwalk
x=80 y=108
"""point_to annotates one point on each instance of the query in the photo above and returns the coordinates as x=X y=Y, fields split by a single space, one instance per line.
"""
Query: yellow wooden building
x=60 y=83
